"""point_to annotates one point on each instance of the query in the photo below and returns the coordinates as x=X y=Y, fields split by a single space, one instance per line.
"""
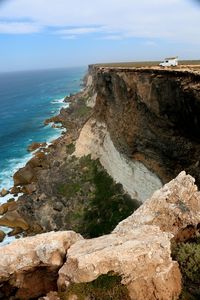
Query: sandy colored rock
x=13 y=219
x=172 y=208
x=2 y=235
x=24 y=176
x=7 y=206
x=47 y=249
x=139 y=249
x=31 y=264
x=4 y=192
x=142 y=257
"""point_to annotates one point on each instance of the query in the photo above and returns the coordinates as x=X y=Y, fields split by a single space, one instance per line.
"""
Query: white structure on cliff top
x=170 y=62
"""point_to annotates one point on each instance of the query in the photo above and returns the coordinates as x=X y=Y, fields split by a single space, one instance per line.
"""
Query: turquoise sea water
x=26 y=100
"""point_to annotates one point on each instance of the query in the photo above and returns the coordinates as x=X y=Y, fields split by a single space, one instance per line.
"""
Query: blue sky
x=38 y=34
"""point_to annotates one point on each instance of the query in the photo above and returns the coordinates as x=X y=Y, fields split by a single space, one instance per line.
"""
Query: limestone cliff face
x=152 y=116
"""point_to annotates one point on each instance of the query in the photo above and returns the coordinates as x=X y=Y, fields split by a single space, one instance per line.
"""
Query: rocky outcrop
x=172 y=208
x=139 y=250
x=141 y=256
x=139 y=247
x=28 y=267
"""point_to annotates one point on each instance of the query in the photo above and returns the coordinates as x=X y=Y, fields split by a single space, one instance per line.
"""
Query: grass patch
x=188 y=256
x=105 y=287
x=70 y=148
x=108 y=205
x=95 y=203
x=69 y=189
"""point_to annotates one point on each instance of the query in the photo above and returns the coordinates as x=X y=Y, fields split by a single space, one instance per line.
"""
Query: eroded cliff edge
x=152 y=116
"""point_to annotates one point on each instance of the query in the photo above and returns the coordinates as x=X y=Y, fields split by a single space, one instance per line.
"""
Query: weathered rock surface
x=141 y=256
x=24 y=176
x=13 y=219
x=139 y=247
x=173 y=207
x=31 y=264
x=139 y=250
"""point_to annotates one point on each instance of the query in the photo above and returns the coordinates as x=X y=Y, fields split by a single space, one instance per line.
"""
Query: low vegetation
x=188 y=256
x=106 y=287
x=96 y=203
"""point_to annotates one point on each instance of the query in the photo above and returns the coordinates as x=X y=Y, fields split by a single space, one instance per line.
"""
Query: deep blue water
x=26 y=100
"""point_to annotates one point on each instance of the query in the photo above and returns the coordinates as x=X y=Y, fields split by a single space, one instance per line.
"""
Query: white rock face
x=137 y=180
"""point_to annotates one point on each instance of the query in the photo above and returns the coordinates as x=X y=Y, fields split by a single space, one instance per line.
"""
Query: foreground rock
x=30 y=265
x=139 y=250
x=142 y=257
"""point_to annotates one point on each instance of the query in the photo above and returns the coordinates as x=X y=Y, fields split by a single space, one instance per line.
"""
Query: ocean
x=26 y=100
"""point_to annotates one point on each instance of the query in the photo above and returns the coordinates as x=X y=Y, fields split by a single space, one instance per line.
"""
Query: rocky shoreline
x=26 y=180
x=57 y=189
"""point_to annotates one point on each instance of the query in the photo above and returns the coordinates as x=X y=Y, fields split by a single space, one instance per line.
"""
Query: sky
x=41 y=34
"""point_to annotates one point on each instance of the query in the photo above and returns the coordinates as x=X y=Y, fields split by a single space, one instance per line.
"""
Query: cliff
x=151 y=117
x=128 y=133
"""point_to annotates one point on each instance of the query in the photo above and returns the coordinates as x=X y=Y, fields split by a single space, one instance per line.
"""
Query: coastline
x=57 y=135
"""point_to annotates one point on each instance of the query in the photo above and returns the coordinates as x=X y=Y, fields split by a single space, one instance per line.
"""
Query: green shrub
x=188 y=257
x=105 y=287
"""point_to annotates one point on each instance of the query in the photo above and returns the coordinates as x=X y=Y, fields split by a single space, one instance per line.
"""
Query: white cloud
x=171 y=20
x=112 y=37
x=80 y=30
x=18 y=28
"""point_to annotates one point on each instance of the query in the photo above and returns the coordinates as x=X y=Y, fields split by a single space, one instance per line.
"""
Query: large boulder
x=172 y=208
x=142 y=257
x=13 y=219
x=24 y=176
x=30 y=265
